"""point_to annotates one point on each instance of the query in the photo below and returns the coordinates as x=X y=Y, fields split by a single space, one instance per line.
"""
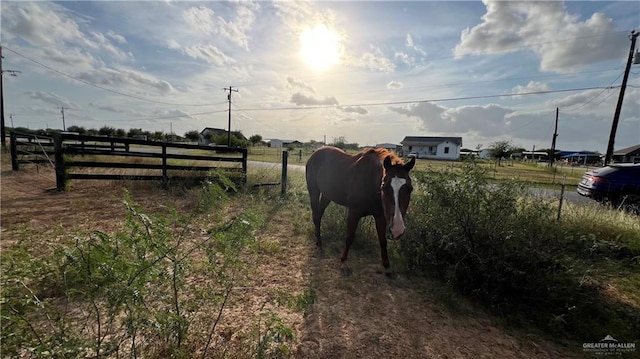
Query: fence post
x=245 y=153
x=61 y=181
x=165 y=181
x=14 y=152
x=283 y=181
x=564 y=181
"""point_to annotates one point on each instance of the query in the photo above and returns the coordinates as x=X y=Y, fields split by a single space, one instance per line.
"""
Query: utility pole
x=230 y=89
x=616 y=116
x=11 y=117
x=3 y=133
x=64 y=127
x=553 y=141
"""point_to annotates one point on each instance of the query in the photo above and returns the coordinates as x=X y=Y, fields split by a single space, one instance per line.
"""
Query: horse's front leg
x=381 y=228
x=352 y=224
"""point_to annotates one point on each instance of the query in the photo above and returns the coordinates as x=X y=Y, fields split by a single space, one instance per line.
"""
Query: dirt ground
x=365 y=315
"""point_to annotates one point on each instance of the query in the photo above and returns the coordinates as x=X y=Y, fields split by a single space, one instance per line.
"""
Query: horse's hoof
x=345 y=271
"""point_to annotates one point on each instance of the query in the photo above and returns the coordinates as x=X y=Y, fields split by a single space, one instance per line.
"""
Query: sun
x=319 y=47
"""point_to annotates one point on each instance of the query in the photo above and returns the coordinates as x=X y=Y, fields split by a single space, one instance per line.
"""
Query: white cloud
x=300 y=84
x=488 y=120
x=303 y=100
x=355 y=109
x=39 y=24
x=410 y=43
x=373 y=60
x=204 y=22
x=208 y=53
x=201 y=20
x=51 y=98
x=561 y=41
x=405 y=58
x=116 y=37
x=53 y=28
x=118 y=77
x=532 y=86
x=394 y=85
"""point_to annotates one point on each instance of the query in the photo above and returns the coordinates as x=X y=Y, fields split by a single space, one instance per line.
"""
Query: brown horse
x=373 y=182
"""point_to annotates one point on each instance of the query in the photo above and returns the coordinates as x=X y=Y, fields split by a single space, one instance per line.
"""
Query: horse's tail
x=312 y=181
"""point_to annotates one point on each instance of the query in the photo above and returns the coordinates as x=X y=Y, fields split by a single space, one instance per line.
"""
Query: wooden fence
x=30 y=148
x=79 y=157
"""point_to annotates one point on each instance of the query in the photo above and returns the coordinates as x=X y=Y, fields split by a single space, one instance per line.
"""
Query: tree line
x=237 y=138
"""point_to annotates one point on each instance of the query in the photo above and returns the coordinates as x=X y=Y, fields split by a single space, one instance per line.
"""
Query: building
x=445 y=148
x=629 y=154
x=277 y=143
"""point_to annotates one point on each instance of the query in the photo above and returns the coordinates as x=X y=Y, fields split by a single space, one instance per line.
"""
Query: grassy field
x=122 y=268
x=530 y=172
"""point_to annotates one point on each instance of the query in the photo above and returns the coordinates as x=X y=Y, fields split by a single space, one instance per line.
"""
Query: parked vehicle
x=616 y=184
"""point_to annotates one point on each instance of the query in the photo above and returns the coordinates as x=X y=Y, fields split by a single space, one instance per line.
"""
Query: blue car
x=616 y=184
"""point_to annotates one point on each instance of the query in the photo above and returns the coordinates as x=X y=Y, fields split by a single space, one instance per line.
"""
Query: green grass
x=528 y=172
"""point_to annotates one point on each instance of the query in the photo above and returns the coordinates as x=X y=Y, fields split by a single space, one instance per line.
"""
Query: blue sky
x=420 y=68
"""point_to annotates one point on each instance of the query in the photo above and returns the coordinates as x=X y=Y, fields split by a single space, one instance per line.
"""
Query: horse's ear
x=387 y=162
x=408 y=166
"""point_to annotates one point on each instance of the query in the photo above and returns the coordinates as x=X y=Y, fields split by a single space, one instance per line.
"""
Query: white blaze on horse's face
x=397 y=225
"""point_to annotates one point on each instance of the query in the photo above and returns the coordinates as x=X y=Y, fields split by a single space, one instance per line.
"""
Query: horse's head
x=396 y=193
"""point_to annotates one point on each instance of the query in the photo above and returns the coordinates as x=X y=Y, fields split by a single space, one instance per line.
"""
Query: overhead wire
x=102 y=87
x=387 y=103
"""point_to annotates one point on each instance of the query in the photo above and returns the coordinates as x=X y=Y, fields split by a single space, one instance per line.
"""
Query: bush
x=505 y=250
x=134 y=293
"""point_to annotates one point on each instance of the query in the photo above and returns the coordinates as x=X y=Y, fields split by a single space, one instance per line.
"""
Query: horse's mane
x=382 y=153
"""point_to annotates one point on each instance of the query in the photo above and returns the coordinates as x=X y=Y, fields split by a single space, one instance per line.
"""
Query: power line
x=101 y=87
x=430 y=100
x=599 y=93
x=171 y=116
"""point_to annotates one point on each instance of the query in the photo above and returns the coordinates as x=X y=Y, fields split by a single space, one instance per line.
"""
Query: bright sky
x=370 y=71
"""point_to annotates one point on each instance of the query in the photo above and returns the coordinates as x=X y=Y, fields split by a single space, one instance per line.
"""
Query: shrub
x=505 y=249
x=132 y=293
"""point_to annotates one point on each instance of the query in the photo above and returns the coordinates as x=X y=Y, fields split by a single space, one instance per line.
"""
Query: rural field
x=125 y=269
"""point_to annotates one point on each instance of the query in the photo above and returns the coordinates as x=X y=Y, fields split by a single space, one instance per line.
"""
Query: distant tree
x=134 y=132
x=339 y=142
x=22 y=130
x=193 y=136
x=92 y=132
x=79 y=129
x=255 y=139
x=342 y=143
x=107 y=131
x=222 y=139
x=500 y=149
x=158 y=136
x=121 y=133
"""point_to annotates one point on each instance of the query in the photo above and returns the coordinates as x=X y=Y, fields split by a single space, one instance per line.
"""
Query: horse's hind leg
x=352 y=224
x=318 y=205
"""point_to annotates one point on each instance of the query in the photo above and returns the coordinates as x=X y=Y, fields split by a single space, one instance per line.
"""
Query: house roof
x=284 y=141
x=633 y=150
x=431 y=140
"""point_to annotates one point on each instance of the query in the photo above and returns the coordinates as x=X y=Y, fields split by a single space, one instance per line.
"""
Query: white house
x=445 y=148
x=276 y=143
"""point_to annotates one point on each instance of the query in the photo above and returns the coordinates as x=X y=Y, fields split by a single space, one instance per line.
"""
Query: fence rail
x=67 y=153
